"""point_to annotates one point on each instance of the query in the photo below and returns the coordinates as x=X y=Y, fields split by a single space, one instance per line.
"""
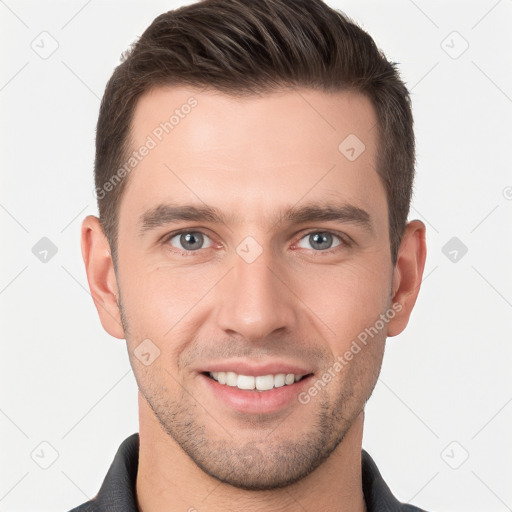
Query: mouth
x=254 y=387
x=259 y=383
x=263 y=392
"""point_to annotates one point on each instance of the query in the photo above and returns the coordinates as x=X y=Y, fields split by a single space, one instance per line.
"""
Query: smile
x=258 y=383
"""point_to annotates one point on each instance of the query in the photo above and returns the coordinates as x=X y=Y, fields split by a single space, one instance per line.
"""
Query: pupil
x=321 y=239
x=188 y=238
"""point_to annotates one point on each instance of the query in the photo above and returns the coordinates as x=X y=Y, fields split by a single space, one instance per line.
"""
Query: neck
x=169 y=481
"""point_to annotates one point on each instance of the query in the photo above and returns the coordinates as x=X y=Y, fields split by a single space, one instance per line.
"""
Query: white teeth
x=264 y=382
x=279 y=380
x=260 y=383
x=231 y=378
x=246 y=382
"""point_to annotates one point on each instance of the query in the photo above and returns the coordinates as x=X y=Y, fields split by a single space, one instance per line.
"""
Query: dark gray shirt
x=117 y=493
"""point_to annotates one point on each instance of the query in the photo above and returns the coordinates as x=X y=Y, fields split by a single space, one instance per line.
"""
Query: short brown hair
x=241 y=47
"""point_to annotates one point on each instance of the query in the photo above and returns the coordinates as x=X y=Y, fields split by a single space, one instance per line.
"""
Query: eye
x=189 y=240
x=321 y=240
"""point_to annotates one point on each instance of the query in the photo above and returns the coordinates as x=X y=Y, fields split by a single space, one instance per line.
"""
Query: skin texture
x=252 y=158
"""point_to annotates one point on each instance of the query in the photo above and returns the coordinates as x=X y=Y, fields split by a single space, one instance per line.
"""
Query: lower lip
x=253 y=401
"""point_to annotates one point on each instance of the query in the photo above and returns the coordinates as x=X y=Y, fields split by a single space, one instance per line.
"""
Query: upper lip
x=255 y=369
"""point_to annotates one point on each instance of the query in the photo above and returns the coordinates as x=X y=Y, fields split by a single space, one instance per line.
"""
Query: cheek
x=158 y=298
x=347 y=299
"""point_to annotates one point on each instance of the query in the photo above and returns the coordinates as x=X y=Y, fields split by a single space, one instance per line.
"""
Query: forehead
x=208 y=117
x=252 y=153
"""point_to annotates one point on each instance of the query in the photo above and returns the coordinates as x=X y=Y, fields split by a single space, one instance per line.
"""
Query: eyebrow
x=164 y=214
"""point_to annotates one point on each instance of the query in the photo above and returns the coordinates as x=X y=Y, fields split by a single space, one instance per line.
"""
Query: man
x=254 y=168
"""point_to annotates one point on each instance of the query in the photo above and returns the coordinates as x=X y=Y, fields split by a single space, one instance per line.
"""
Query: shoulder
x=117 y=493
x=404 y=507
x=86 y=507
x=377 y=494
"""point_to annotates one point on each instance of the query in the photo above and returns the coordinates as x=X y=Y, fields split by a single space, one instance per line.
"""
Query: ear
x=407 y=275
x=101 y=275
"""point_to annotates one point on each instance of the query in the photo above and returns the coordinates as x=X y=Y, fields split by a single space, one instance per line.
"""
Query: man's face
x=263 y=293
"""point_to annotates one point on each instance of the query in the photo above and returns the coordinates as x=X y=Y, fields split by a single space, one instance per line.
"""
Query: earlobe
x=101 y=275
x=408 y=274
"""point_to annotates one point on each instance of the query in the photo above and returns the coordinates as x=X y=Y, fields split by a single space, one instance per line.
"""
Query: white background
x=445 y=390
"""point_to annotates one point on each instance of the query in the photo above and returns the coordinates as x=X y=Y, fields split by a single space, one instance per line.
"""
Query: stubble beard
x=270 y=459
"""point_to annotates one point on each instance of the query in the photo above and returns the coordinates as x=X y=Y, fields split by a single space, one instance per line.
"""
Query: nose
x=255 y=299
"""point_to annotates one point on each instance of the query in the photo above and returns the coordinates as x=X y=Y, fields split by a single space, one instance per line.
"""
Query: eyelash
x=344 y=241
